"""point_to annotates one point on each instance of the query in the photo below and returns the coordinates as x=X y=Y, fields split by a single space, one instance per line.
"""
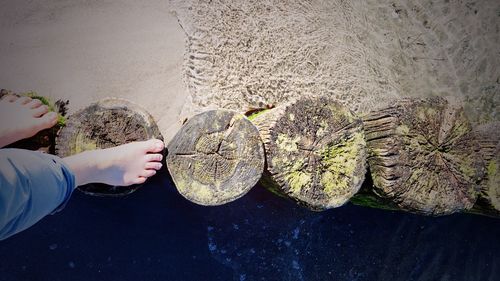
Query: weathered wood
x=315 y=151
x=489 y=141
x=107 y=123
x=423 y=156
x=216 y=157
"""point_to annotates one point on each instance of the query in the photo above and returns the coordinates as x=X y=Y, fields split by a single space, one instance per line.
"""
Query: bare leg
x=23 y=118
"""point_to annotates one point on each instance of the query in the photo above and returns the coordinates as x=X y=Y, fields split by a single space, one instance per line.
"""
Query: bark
x=489 y=141
x=423 y=156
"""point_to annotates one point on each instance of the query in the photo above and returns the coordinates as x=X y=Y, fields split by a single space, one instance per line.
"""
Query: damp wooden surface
x=107 y=123
x=216 y=157
x=423 y=156
x=315 y=151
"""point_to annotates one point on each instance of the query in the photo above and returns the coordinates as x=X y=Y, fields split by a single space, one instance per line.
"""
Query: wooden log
x=107 y=123
x=489 y=198
x=423 y=156
x=315 y=151
x=216 y=157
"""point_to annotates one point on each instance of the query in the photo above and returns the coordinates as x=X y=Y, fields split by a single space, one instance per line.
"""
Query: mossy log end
x=423 y=156
x=107 y=123
x=315 y=152
x=489 y=141
x=216 y=157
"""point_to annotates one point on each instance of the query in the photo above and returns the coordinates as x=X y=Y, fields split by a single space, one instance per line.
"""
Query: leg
x=32 y=185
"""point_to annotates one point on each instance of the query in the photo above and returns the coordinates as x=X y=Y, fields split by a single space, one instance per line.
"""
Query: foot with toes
x=122 y=165
x=23 y=117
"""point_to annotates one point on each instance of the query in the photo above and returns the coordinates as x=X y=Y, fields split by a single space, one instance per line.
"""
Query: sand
x=245 y=53
x=176 y=58
x=87 y=50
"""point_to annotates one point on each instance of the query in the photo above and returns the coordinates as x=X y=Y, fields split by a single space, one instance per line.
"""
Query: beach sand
x=245 y=53
x=84 y=51
x=176 y=58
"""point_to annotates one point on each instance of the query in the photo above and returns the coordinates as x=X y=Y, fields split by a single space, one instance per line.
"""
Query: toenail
x=159 y=165
x=159 y=145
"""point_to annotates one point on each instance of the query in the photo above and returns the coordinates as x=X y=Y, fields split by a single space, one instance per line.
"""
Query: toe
x=140 y=180
x=23 y=100
x=148 y=173
x=37 y=112
x=35 y=103
x=154 y=145
x=153 y=157
x=47 y=121
x=153 y=166
x=10 y=98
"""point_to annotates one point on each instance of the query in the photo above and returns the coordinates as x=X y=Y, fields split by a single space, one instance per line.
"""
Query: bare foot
x=123 y=165
x=22 y=118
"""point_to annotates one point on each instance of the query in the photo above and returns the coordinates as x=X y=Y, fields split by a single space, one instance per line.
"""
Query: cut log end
x=107 y=123
x=315 y=151
x=423 y=156
x=216 y=157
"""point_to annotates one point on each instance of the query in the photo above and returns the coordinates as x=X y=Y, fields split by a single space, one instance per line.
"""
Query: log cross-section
x=106 y=123
x=216 y=157
x=315 y=151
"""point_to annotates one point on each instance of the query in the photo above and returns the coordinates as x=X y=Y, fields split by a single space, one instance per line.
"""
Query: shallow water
x=155 y=234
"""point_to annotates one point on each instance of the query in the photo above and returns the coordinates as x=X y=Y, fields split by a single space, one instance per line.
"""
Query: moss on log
x=107 y=123
x=216 y=157
x=423 y=156
x=315 y=151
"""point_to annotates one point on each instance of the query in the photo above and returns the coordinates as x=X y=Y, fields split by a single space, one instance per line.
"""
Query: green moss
x=402 y=130
x=341 y=161
x=82 y=144
x=492 y=169
x=372 y=201
x=493 y=189
x=467 y=168
x=272 y=186
x=322 y=129
x=286 y=143
x=61 y=120
x=297 y=180
x=257 y=113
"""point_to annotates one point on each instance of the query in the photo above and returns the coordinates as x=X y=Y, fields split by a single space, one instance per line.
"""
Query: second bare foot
x=23 y=117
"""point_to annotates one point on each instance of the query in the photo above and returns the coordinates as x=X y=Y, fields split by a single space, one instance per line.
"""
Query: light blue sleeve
x=32 y=185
